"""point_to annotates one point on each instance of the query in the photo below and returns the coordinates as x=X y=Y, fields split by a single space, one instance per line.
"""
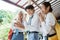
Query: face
x=30 y=11
x=44 y=9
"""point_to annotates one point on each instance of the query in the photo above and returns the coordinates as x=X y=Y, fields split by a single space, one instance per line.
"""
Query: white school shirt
x=48 y=25
x=34 y=23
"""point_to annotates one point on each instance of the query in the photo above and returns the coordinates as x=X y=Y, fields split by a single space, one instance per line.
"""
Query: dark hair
x=46 y=4
x=29 y=7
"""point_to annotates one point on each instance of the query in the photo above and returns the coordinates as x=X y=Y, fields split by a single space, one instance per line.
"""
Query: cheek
x=20 y=16
x=27 y=11
x=32 y=11
x=43 y=10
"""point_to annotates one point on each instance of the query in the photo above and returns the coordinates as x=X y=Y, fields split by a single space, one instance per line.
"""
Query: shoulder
x=50 y=14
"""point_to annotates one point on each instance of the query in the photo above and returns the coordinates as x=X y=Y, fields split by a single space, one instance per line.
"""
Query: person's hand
x=19 y=25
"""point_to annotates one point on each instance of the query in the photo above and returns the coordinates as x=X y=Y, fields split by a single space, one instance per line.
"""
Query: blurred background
x=9 y=9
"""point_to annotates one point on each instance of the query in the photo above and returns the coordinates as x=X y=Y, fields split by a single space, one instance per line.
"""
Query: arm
x=19 y=25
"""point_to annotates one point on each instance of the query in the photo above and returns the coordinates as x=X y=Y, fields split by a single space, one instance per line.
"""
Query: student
x=47 y=20
x=17 y=29
x=32 y=25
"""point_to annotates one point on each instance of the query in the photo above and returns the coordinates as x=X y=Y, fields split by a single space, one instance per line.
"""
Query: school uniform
x=32 y=27
x=17 y=33
x=48 y=26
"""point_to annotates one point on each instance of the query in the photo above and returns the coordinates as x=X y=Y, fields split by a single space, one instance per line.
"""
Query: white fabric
x=34 y=23
x=48 y=24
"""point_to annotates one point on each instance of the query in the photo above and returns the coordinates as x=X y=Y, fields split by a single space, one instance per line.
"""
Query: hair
x=29 y=7
x=46 y=4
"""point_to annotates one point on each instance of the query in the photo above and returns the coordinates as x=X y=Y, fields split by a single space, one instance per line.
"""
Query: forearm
x=21 y=26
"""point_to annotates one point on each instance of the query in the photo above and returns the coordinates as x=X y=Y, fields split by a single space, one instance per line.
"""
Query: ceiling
x=36 y=3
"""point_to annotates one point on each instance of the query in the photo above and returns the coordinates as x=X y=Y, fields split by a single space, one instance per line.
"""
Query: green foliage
x=6 y=16
x=1 y=20
x=5 y=20
x=4 y=33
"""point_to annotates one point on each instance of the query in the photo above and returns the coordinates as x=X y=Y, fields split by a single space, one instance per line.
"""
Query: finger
x=15 y=25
